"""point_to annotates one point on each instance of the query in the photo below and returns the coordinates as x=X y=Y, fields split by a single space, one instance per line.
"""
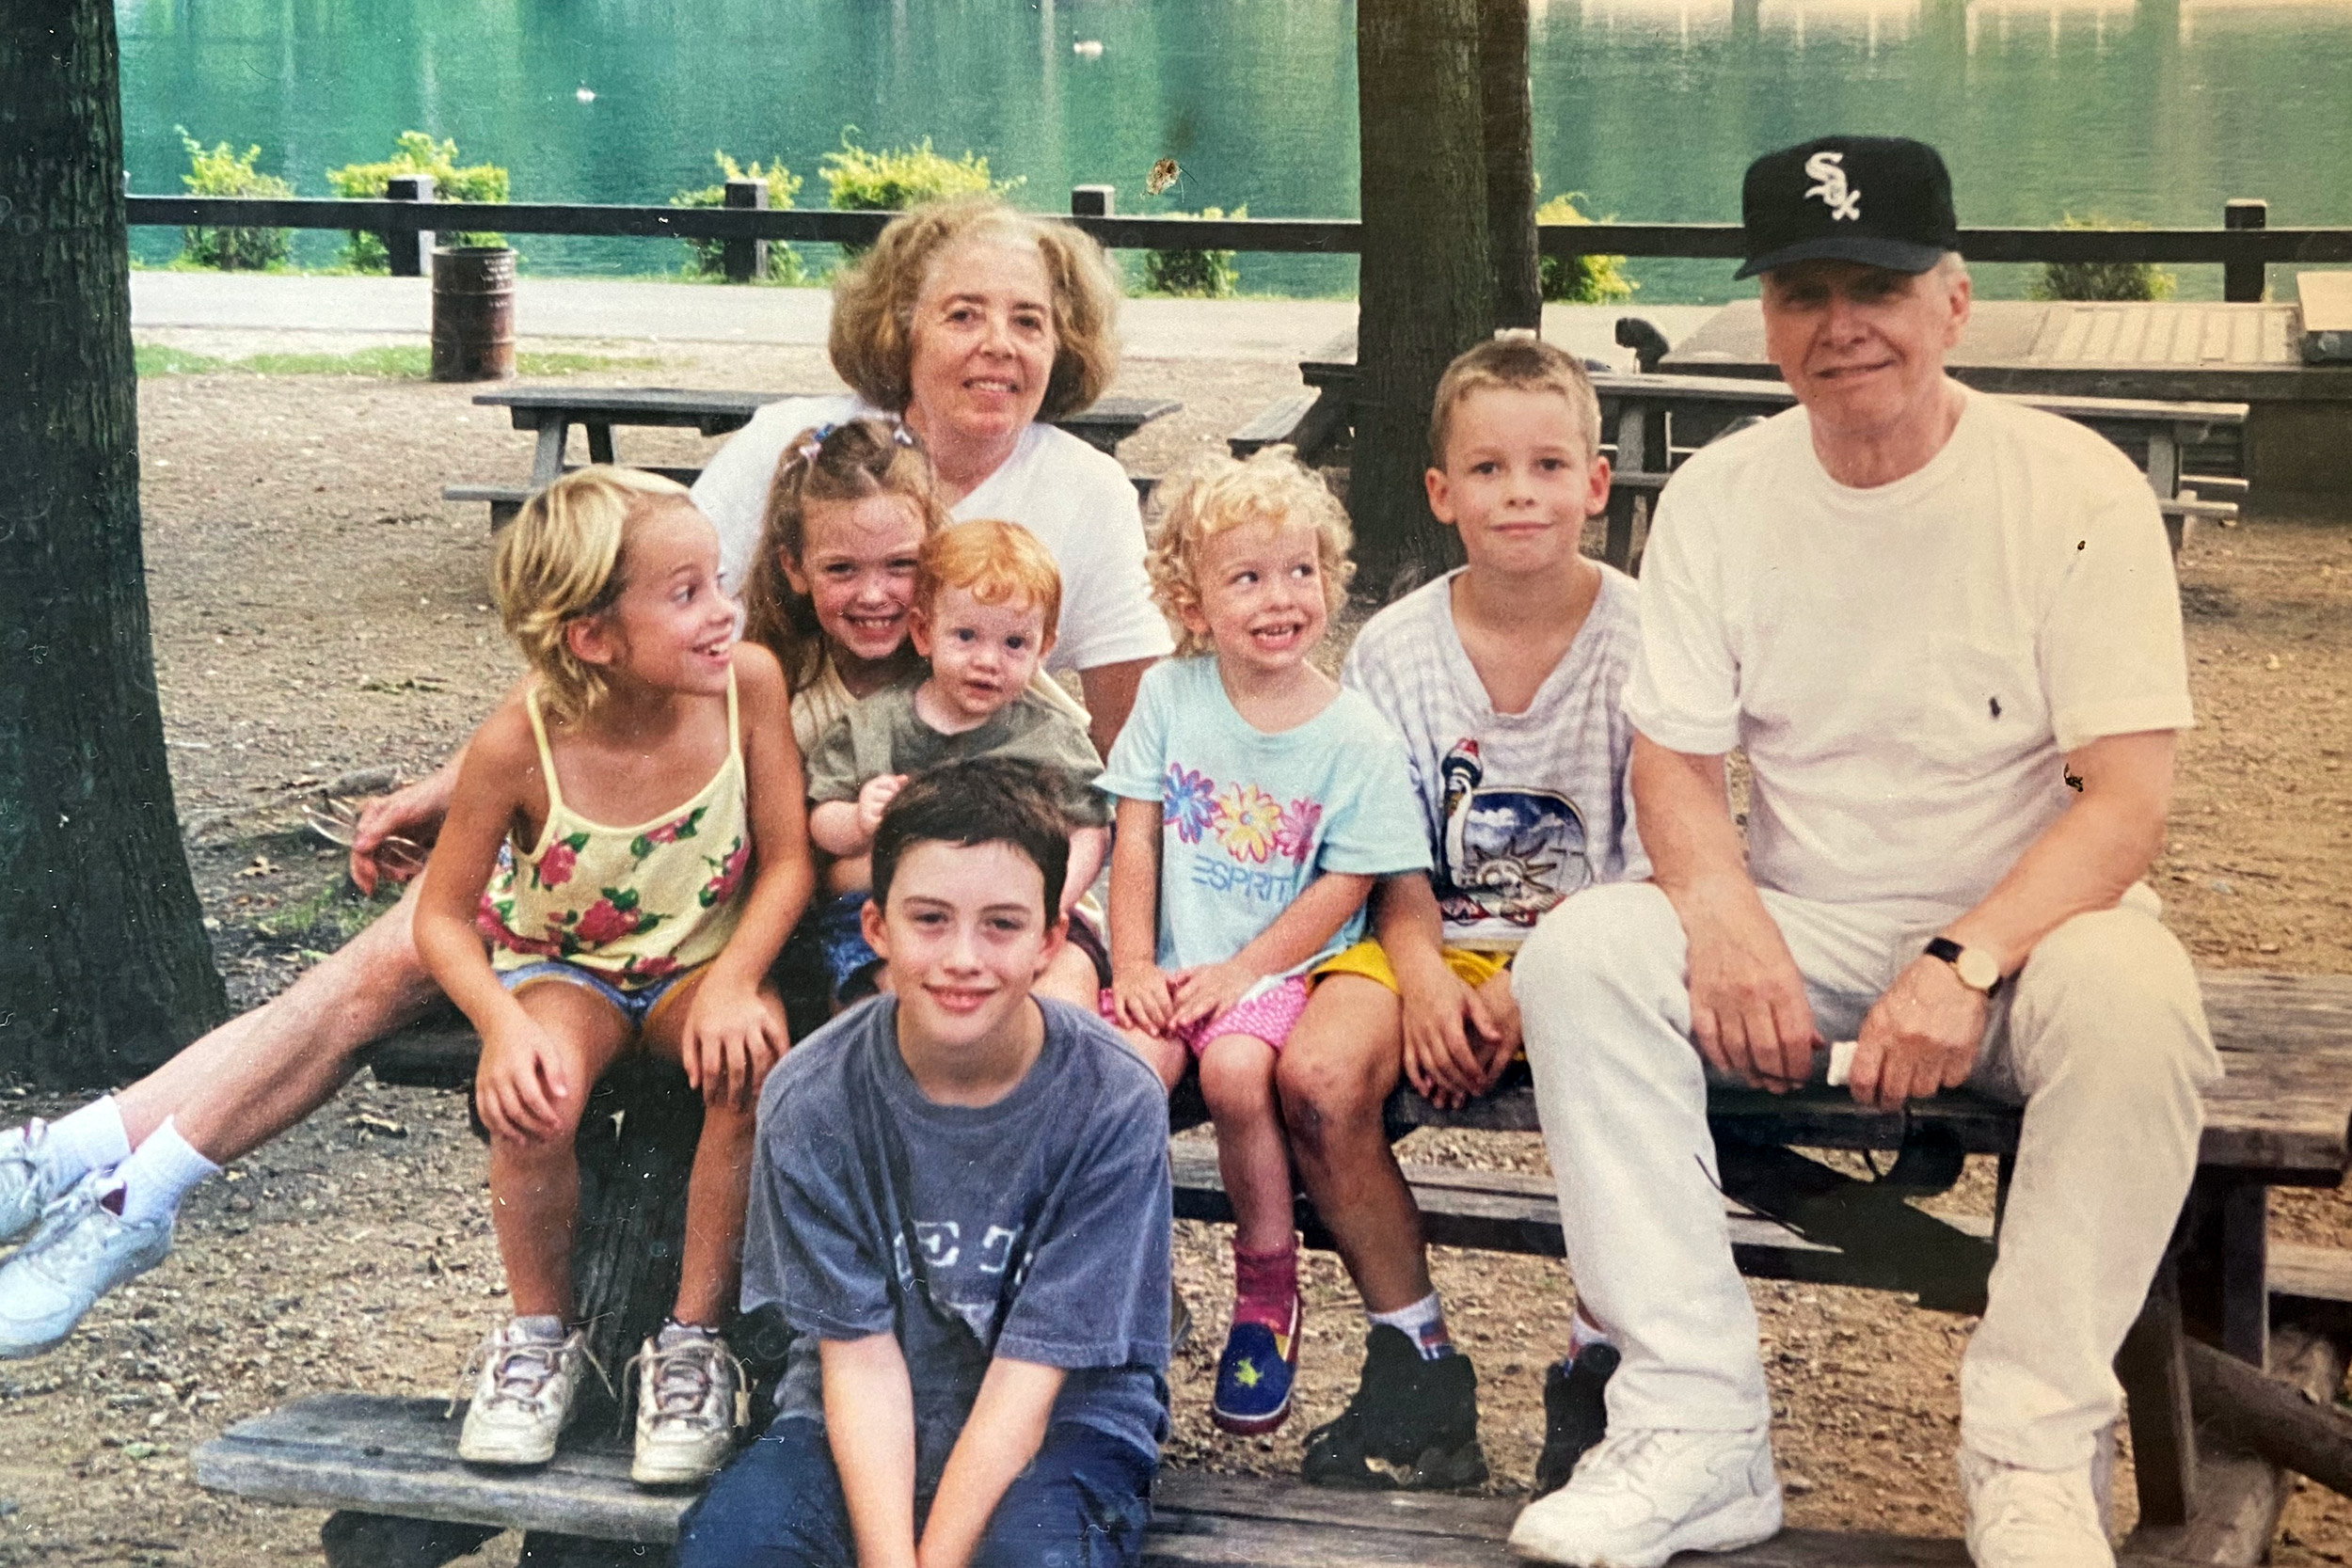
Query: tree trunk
x=1427 y=290
x=1509 y=110
x=102 y=939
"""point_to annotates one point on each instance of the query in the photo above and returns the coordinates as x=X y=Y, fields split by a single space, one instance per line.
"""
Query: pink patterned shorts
x=1268 y=1016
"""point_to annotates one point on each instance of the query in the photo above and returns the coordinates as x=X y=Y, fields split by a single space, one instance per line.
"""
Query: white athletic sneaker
x=687 y=1397
x=82 y=1250
x=1642 y=1496
x=31 y=1180
x=524 y=1377
x=2020 y=1518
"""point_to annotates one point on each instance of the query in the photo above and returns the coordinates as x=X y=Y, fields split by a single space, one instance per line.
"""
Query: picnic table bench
x=552 y=411
x=2210 y=1484
x=1651 y=423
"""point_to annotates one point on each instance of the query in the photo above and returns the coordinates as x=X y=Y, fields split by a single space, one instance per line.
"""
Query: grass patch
x=399 y=363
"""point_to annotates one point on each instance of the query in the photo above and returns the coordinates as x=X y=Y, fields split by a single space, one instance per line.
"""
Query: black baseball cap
x=1886 y=201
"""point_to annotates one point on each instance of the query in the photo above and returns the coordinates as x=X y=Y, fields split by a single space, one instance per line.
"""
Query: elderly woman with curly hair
x=967 y=321
x=974 y=325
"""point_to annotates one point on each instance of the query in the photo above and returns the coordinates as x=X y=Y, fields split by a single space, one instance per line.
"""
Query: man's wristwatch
x=1979 y=970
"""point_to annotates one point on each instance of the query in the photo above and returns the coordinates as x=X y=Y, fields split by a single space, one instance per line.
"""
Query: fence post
x=746 y=260
x=2245 y=283
x=1093 y=201
x=411 y=248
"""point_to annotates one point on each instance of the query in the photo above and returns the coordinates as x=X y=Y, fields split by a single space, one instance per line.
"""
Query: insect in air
x=1164 y=174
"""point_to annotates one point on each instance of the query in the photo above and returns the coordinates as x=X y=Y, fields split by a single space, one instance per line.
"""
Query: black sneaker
x=1576 y=1416
x=1413 y=1424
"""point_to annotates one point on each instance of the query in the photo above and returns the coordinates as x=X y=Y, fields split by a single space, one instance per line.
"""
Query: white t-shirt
x=1079 y=501
x=1907 y=665
x=1522 y=809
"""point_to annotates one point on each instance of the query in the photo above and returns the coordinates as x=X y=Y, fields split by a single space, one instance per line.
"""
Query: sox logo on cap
x=1826 y=169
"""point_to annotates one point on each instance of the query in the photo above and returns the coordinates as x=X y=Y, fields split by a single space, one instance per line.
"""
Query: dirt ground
x=321 y=613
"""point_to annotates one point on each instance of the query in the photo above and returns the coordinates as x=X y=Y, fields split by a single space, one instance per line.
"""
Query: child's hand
x=1496 y=1017
x=1141 y=995
x=872 y=800
x=732 y=1040
x=1441 y=1018
x=1208 y=990
x=520 y=1085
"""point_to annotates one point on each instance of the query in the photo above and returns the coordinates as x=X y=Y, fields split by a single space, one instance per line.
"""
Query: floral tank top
x=636 y=905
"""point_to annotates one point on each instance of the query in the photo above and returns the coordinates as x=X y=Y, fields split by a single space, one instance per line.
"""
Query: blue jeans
x=1083 y=1503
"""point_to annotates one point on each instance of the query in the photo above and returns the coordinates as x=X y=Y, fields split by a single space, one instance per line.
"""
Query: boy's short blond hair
x=1520 y=364
x=1220 y=494
x=562 y=559
x=996 y=563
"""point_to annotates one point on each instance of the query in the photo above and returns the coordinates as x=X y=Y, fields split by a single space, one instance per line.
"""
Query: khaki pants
x=2102 y=1036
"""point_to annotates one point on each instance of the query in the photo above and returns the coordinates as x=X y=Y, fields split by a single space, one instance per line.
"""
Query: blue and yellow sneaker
x=1253 y=1377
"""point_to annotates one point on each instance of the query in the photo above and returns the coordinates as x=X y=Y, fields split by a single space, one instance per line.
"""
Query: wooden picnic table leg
x=599 y=441
x=2164 y=461
x=2153 y=1367
x=1633 y=418
x=546 y=463
x=2225 y=1266
x=354 y=1540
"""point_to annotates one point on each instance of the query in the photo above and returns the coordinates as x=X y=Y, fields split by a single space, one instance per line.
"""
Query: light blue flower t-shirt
x=1248 y=820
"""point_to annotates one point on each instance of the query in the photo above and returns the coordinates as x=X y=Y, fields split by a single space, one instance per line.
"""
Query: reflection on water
x=2153 y=111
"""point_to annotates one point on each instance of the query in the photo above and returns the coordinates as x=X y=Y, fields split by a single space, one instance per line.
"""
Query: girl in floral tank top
x=644 y=709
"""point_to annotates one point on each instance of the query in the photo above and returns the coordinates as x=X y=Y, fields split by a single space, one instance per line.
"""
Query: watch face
x=1978 y=969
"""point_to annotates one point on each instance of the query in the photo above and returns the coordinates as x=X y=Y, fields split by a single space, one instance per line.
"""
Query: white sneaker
x=31 y=1178
x=2020 y=1518
x=525 y=1374
x=81 y=1250
x=1642 y=1496
x=688 y=1393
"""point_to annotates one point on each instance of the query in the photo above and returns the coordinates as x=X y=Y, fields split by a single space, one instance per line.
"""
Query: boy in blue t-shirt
x=960 y=1202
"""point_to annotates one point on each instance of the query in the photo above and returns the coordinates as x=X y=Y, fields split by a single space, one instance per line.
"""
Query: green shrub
x=2101 y=279
x=1580 y=279
x=1193 y=274
x=709 y=256
x=417 y=153
x=867 y=180
x=221 y=172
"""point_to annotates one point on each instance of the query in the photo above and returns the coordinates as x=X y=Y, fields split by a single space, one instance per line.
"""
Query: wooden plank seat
x=2282 y=1115
x=380 y=1459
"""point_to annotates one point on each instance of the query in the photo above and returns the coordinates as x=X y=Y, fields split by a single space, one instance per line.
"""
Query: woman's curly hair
x=565 y=558
x=1222 y=493
x=872 y=342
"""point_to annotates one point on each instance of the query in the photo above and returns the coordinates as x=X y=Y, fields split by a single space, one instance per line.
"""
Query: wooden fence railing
x=2243 y=248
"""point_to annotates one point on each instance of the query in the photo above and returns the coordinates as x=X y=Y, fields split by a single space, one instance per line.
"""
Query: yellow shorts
x=1471 y=966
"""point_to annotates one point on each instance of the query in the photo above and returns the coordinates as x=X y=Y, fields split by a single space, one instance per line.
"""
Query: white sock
x=1424 y=1323
x=91 y=1138
x=159 y=1173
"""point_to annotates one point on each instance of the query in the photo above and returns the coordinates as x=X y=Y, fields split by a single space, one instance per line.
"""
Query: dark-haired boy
x=960 y=1202
x=1503 y=678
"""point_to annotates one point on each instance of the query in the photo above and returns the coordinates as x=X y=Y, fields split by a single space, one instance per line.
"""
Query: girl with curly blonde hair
x=1257 y=803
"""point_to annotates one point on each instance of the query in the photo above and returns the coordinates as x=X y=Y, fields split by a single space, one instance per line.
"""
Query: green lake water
x=2153 y=111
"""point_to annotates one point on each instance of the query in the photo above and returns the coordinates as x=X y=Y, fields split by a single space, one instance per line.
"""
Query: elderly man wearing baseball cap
x=1945 y=629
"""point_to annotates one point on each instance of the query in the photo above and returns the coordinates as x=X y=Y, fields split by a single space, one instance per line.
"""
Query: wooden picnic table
x=2296 y=443
x=1651 y=422
x=552 y=411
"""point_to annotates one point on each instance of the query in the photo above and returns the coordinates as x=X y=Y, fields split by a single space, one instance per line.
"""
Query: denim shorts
x=636 y=1004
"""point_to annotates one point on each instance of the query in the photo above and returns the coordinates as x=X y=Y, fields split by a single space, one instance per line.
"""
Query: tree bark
x=1505 y=98
x=102 y=938
x=1426 y=288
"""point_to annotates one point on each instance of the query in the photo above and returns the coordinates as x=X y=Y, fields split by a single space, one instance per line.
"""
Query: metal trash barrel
x=474 y=313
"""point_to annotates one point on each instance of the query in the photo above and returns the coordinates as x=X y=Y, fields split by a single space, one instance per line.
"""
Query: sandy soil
x=321 y=612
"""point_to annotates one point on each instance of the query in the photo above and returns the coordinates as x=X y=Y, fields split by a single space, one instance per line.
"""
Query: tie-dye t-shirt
x=1248 y=820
